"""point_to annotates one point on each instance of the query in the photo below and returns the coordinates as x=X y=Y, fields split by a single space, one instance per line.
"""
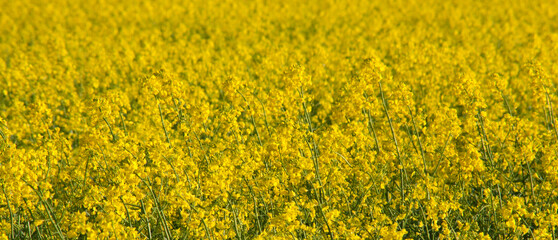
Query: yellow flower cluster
x=227 y=119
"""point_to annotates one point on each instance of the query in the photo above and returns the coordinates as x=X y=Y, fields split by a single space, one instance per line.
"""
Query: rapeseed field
x=260 y=119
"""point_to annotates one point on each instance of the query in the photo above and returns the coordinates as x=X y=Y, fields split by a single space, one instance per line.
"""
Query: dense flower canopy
x=258 y=119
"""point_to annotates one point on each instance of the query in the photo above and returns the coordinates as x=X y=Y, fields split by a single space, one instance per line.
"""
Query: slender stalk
x=114 y=137
x=160 y=212
x=425 y=223
x=127 y=212
x=48 y=210
x=177 y=179
x=256 y=129
x=421 y=152
x=441 y=155
x=123 y=124
x=206 y=230
x=532 y=182
x=314 y=147
x=206 y=158
x=252 y=117
x=484 y=139
x=315 y=153
x=28 y=229
x=85 y=172
x=551 y=113
x=4 y=139
x=208 y=234
x=343 y=157
x=316 y=167
x=12 y=233
x=395 y=141
x=236 y=225
x=265 y=116
x=371 y=124
x=256 y=214
x=323 y=216
x=506 y=102
x=164 y=128
x=33 y=218
x=146 y=219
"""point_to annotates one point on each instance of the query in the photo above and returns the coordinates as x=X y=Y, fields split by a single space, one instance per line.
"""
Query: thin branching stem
x=12 y=231
x=164 y=128
x=421 y=152
x=402 y=167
